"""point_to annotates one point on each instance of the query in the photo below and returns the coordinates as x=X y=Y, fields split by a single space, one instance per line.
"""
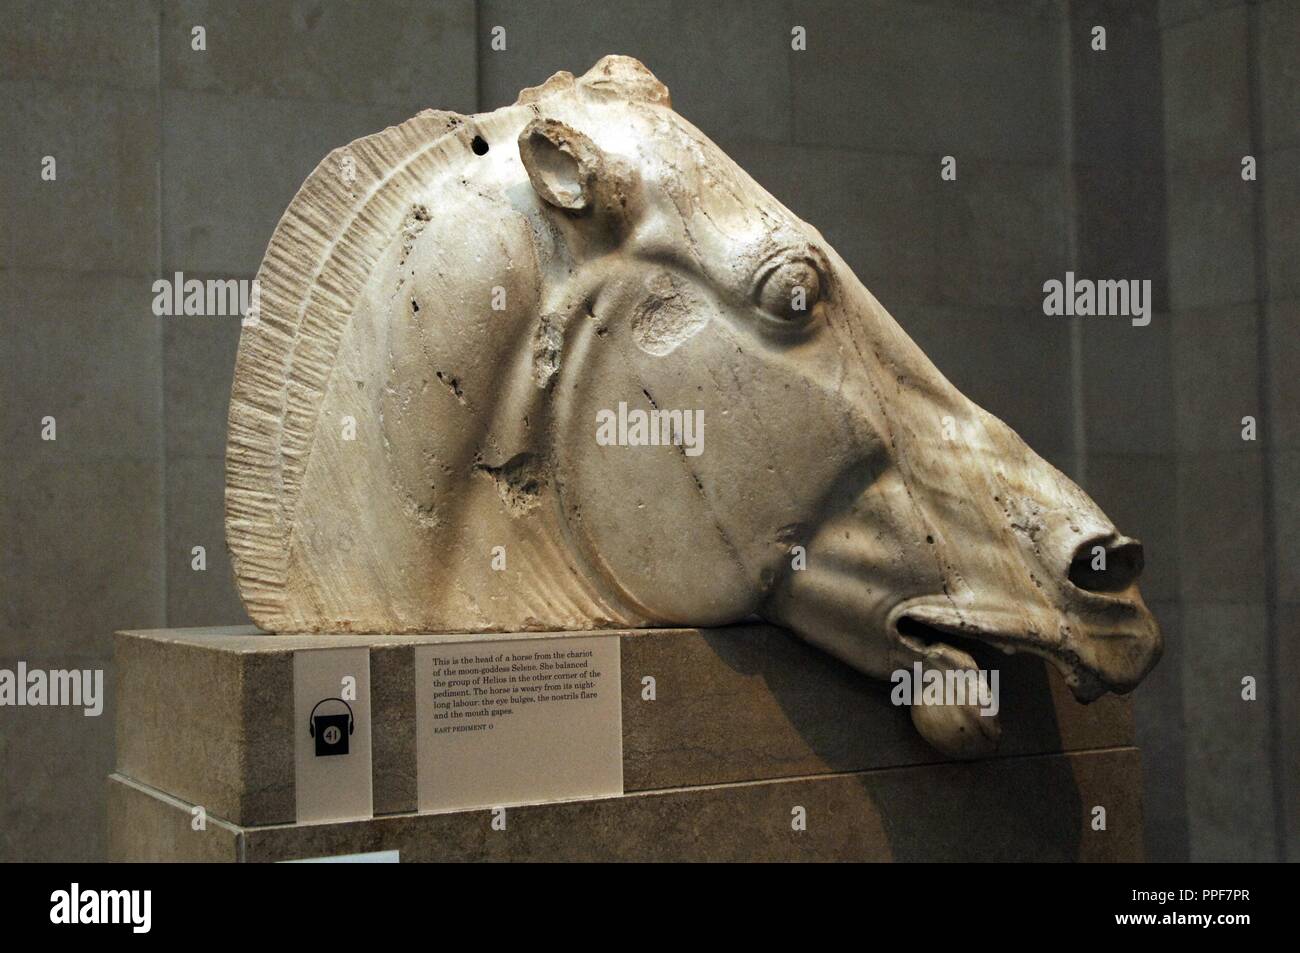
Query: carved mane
x=331 y=238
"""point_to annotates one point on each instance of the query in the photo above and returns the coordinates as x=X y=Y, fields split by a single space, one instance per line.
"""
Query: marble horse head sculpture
x=565 y=366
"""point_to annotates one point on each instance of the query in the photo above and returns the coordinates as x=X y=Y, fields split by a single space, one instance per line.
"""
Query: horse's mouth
x=921 y=627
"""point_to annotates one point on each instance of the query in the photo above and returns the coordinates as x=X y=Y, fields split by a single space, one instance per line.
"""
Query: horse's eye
x=790 y=290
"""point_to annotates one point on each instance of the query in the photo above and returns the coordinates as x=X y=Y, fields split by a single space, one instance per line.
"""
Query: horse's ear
x=571 y=173
x=563 y=164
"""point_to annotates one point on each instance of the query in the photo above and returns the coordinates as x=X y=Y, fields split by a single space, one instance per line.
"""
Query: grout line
x=991 y=760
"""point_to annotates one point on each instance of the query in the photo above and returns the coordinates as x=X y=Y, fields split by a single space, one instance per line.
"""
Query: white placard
x=518 y=722
x=331 y=692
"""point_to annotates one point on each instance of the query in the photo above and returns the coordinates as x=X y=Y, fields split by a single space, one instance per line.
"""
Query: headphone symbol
x=311 y=724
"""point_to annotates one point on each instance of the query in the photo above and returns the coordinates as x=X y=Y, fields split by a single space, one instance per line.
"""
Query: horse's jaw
x=896 y=591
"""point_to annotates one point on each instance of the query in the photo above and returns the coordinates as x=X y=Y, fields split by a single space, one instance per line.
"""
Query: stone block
x=1015 y=363
x=1230 y=801
x=56 y=40
x=879 y=211
x=1161 y=735
x=1279 y=67
x=411 y=55
x=1139 y=493
x=1207 y=85
x=203 y=714
x=100 y=213
x=52 y=757
x=752 y=701
x=1002 y=233
x=1216 y=378
x=148 y=826
x=195 y=517
x=1222 y=537
x=1211 y=234
x=928 y=79
x=81 y=348
x=198 y=366
x=232 y=163
x=203 y=725
x=79 y=550
x=968 y=812
x=1119 y=223
x=1128 y=392
x=710 y=49
x=1115 y=121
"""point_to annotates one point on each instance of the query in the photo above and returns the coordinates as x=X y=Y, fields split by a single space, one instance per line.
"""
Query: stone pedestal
x=748 y=724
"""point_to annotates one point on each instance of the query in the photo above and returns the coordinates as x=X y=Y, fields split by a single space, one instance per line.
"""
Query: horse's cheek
x=646 y=526
x=648 y=518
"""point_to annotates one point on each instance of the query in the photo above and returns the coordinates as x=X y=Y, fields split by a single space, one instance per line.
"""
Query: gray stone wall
x=81 y=543
x=1126 y=418
x=168 y=159
x=1117 y=164
x=1230 y=75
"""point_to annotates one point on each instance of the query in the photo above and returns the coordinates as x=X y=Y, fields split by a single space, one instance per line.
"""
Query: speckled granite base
x=748 y=722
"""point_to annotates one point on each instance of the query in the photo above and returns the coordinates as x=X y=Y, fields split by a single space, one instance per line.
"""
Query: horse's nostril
x=1107 y=566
